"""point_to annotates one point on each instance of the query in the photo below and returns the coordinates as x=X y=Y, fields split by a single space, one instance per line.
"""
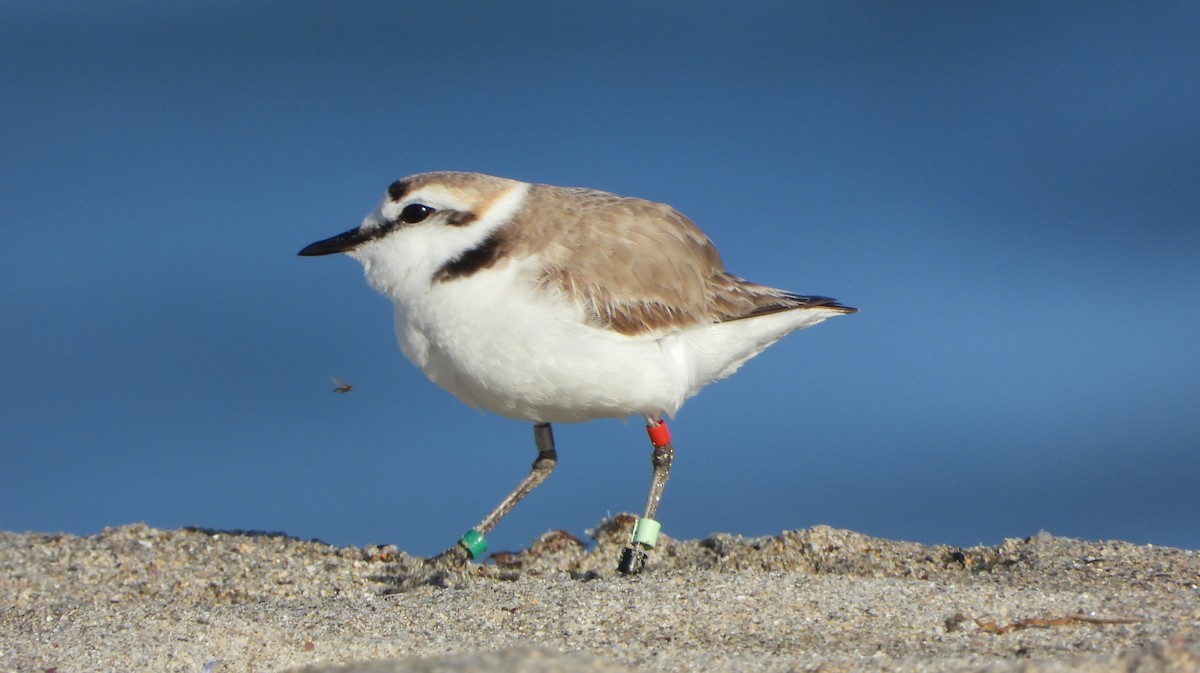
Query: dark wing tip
x=841 y=308
x=776 y=301
x=805 y=301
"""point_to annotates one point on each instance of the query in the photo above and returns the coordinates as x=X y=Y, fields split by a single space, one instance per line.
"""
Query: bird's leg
x=473 y=545
x=645 y=530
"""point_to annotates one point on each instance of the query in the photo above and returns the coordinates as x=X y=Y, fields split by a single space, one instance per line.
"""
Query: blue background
x=1010 y=192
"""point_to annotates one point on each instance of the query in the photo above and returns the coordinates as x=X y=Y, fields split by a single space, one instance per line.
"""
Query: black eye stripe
x=460 y=218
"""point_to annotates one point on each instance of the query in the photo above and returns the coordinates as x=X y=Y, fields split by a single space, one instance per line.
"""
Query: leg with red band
x=645 y=532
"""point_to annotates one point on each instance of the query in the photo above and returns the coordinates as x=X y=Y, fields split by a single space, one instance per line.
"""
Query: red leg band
x=659 y=434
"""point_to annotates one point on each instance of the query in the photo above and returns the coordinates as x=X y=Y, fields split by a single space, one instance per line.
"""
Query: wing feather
x=638 y=266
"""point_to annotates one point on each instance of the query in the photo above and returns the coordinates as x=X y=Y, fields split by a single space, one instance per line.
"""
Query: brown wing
x=735 y=298
x=639 y=266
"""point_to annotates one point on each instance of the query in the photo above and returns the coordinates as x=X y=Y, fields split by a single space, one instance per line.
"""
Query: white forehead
x=433 y=195
x=436 y=196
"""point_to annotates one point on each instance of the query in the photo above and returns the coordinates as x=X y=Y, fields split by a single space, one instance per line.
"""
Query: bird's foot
x=645 y=537
x=633 y=559
x=454 y=558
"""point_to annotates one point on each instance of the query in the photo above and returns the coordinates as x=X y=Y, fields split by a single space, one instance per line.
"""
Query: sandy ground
x=139 y=599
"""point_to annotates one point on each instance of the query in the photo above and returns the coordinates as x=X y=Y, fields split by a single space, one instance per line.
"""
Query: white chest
x=496 y=342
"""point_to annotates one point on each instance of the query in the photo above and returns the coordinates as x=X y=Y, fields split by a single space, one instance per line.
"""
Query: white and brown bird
x=557 y=304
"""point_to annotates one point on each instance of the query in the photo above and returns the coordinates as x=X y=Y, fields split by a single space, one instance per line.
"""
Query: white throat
x=402 y=264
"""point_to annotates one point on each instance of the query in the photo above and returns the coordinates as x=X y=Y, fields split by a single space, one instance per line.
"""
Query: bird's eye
x=415 y=212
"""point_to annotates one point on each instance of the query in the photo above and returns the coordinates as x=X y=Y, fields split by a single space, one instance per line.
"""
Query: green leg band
x=645 y=532
x=475 y=543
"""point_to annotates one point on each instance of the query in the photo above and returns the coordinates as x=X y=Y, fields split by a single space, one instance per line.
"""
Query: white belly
x=495 y=342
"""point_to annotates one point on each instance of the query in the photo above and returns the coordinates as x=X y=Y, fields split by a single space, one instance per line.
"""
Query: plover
x=563 y=304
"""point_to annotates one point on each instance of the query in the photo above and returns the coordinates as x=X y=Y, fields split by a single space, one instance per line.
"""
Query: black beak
x=343 y=242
